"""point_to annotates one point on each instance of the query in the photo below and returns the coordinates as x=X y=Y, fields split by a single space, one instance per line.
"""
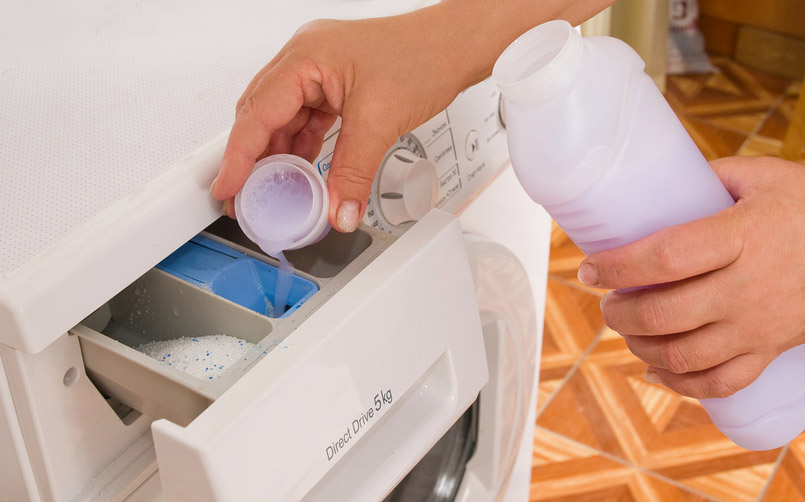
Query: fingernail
x=225 y=208
x=347 y=215
x=212 y=187
x=588 y=275
x=652 y=376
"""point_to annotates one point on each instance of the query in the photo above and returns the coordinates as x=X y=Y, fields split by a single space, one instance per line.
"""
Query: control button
x=472 y=145
x=407 y=187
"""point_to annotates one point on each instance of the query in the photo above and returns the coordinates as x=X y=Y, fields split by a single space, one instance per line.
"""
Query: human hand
x=373 y=73
x=383 y=76
x=732 y=286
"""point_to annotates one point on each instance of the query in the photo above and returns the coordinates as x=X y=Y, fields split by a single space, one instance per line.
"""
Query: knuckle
x=246 y=105
x=673 y=359
x=717 y=387
x=613 y=273
x=667 y=257
x=348 y=175
x=310 y=34
x=311 y=26
x=650 y=314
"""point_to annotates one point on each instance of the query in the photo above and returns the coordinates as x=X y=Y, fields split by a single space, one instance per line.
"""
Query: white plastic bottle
x=592 y=140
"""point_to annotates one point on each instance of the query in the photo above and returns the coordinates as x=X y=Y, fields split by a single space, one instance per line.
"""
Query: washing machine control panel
x=442 y=163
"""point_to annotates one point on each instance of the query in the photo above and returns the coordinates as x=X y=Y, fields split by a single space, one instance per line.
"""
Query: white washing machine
x=405 y=365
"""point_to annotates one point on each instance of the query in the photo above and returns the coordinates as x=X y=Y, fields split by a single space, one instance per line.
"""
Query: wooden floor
x=603 y=433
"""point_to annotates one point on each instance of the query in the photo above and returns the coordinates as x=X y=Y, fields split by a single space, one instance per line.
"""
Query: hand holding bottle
x=709 y=290
x=733 y=293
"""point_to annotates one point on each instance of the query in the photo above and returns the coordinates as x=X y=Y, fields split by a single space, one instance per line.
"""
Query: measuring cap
x=284 y=204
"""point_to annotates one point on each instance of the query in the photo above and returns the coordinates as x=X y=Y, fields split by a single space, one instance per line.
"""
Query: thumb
x=358 y=151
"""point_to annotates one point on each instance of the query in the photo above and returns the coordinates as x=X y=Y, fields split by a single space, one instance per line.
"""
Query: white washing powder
x=204 y=357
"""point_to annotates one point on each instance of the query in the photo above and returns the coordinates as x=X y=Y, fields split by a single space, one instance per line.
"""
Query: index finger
x=271 y=105
x=671 y=254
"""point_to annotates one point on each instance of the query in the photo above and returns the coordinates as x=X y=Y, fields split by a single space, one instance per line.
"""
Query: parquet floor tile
x=572 y=321
x=566 y=471
x=774 y=127
x=734 y=90
x=565 y=260
x=607 y=405
x=603 y=432
x=714 y=141
x=788 y=484
x=761 y=145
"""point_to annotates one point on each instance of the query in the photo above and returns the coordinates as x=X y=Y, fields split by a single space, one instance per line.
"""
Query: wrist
x=477 y=31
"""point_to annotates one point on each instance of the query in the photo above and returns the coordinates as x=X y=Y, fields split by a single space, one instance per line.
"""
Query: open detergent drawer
x=325 y=407
x=395 y=353
x=209 y=287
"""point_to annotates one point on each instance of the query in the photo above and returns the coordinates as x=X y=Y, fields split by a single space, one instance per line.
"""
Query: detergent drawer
x=354 y=396
x=177 y=338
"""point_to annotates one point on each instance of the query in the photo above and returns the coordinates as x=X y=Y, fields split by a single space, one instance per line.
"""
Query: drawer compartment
x=210 y=286
x=158 y=307
x=235 y=276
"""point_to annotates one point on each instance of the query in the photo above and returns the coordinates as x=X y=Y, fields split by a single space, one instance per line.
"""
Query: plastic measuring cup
x=283 y=205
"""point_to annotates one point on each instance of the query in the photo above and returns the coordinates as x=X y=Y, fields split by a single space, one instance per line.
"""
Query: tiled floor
x=603 y=433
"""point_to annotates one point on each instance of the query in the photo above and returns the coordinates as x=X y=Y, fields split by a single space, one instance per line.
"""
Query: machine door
x=475 y=459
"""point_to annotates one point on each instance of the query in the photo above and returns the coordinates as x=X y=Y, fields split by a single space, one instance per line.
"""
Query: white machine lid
x=102 y=104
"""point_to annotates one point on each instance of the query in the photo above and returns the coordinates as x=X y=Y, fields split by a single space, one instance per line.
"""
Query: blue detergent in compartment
x=235 y=276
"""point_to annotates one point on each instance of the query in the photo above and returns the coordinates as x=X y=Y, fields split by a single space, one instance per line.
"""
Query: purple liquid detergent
x=283 y=206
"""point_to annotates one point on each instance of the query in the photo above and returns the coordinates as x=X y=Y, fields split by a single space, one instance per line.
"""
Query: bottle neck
x=540 y=63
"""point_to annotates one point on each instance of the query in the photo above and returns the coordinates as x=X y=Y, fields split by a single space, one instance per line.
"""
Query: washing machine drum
x=438 y=475
x=475 y=458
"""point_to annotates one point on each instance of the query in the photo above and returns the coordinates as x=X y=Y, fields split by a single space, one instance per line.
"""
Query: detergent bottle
x=593 y=141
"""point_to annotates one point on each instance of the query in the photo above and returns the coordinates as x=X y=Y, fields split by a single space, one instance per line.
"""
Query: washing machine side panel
x=503 y=213
x=369 y=383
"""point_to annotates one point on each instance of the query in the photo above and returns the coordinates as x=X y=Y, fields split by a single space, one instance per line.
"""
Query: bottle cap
x=283 y=204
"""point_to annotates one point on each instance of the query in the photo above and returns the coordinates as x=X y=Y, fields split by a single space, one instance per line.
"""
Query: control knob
x=407 y=187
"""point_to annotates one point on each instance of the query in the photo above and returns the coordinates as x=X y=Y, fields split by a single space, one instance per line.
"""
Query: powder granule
x=204 y=357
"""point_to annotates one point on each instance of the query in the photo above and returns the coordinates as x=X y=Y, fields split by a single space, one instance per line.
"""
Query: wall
x=767 y=35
